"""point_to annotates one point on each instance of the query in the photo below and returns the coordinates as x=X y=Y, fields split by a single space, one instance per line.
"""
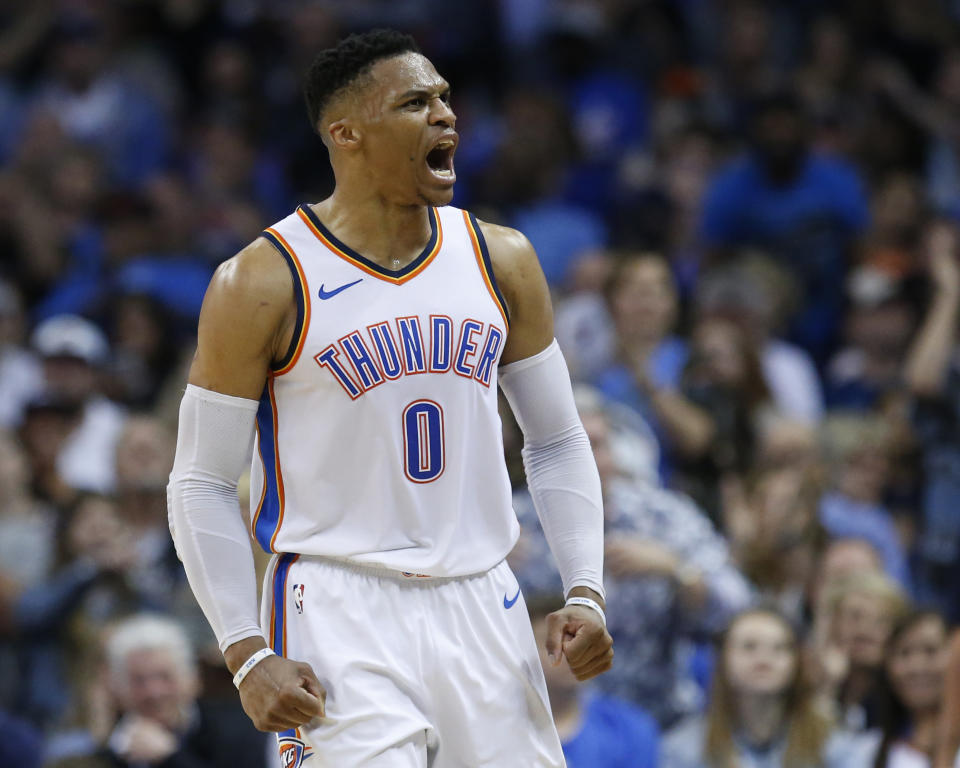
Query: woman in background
x=761 y=714
x=911 y=692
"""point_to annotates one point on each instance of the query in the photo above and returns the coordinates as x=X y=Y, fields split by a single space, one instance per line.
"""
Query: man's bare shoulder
x=513 y=257
x=246 y=321
x=256 y=274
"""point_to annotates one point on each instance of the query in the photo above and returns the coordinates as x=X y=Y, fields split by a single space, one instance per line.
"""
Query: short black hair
x=335 y=68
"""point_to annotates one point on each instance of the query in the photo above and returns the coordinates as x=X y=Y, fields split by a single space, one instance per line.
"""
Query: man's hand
x=278 y=693
x=577 y=633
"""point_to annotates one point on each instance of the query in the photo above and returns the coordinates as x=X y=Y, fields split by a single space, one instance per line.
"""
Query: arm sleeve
x=213 y=448
x=561 y=474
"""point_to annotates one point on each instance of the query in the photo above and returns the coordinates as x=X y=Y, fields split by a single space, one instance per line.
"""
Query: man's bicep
x=243 y=316
x=521 y=279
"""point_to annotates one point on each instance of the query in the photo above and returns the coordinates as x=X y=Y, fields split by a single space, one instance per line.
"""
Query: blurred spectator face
x=138 y=327
x=228 y=70
x=229 y=158
x=80 y=56
x=864 y=474
x=157 y=687
x=144 y=455
x=44 y=431
x=176 y=214
x=882 y=331
x=830 y=46
x=747 y=33
x=861 y=626
x=760 y=655
x=643 y=301
x=687 y=170
x=77 y=182
x=897 y=206
x=780 y=142
x=598 y=431
x=917 y=663
x=70 y=378
x=841 y=559
x=152 y=670
x=784 y=443
x=97 y=531
x=845 y=557
x=717 y=348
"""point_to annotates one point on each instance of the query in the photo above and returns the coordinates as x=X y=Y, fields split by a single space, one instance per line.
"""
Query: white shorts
x=418 y=671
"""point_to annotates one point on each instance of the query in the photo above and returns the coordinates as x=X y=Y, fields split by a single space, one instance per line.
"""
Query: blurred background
x=747 y=212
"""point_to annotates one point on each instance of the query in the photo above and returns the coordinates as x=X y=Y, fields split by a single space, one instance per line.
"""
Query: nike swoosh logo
x=508 y=603
x=330 y=294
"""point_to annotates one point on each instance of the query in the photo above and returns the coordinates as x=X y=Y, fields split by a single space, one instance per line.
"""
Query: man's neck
x=388 y=234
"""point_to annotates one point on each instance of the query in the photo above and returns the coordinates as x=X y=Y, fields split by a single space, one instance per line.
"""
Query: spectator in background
x=910 y=696
x=161 y=721
x=21 y=375
x=843 y=559
x=97 y=106
x=802 y=206
x=857 y=458
x=642 y=301
x=724 y=382
x=932 y=373
x=761 y=713
x=866 y=373
x=670 y=582
x=948 y=734
x=596 y=730
x=74 y=352
x=853 y=622
x=755 y=292
x=144 y=459
x=775 y=537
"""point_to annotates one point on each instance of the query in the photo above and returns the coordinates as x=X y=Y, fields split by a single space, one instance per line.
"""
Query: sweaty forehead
x=392 y=77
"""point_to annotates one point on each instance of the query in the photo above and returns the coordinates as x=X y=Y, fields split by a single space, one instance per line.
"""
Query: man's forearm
x=204 y=511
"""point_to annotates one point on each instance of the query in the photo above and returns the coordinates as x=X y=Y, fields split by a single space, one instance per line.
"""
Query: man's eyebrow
x=425 y=91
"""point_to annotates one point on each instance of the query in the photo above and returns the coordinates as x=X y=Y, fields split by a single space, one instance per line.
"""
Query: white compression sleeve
x=561 y=472
x=213 y=449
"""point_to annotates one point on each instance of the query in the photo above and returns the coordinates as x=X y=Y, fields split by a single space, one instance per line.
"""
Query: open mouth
x=440 y=159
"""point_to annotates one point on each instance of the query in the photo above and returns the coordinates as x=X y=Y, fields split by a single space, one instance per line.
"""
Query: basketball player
x=359 y=343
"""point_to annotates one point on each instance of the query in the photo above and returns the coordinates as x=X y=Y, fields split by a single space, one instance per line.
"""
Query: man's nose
x=442 y=114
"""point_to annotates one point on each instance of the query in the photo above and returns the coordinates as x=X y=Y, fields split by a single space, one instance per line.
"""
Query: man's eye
x=418 y=102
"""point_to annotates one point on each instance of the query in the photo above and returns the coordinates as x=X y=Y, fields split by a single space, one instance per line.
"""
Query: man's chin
x=437 y=197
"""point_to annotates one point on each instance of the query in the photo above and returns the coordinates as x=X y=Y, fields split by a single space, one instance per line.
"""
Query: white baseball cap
x=71 y=336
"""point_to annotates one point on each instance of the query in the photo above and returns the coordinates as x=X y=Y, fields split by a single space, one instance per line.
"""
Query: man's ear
x=343 y=135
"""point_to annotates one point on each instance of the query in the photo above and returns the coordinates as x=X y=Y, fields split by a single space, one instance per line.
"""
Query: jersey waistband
x=407 y=577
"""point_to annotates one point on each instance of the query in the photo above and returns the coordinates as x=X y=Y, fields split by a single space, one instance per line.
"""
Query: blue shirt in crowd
x=614 y=734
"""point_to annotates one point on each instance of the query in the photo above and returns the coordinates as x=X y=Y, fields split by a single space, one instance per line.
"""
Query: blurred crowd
x=748 y=214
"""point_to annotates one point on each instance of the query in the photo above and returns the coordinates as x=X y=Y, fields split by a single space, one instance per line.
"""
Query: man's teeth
x=444 y=172
x=445 y=144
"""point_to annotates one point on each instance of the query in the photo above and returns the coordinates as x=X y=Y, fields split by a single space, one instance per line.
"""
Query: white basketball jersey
x=378 y=437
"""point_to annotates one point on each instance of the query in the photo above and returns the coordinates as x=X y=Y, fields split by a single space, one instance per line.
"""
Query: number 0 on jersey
x=423 y=450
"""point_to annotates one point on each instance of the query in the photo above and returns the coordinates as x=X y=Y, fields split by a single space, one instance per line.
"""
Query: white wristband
x=589 y=604
x=250 y=664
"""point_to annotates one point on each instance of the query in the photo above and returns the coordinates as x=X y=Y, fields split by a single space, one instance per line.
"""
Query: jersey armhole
x=486 y=267
x=301 y=297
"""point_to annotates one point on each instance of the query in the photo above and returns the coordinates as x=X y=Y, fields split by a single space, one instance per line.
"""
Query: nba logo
x=298 y=597
x=291 y=752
